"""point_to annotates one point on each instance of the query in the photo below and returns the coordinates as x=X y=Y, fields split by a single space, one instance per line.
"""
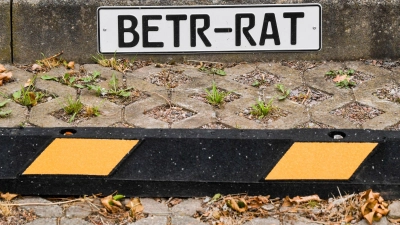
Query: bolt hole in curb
x=337 y=135
x=67 y=132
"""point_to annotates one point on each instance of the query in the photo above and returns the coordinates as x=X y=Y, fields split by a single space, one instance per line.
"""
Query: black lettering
x=146 y=29
x=122 y=30
x=293 y=24
x=269 y=17
x=200 y=31
x=176 y=19
x=238 y=29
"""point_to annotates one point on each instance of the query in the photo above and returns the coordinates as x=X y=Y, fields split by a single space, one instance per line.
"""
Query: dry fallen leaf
x=110 y=204
x=5 y=77
x=7 y=196
x=32 y=97
x=216 y=215
x=299 y=199
x=36 y=67
x=394 y=220
x=2 y=68
x=340 y=78
x=239 y=206
x=258 y=201
x=135 y=205
x=374 y=207
x=71 y=65
x=287 y=202
x=28 y=83
x=175 y=201
x=349 y=218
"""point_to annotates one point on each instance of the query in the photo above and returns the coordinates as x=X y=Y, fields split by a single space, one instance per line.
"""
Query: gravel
x=258 y=78
x=169 y=113
x=169 y=78
x=357 y=113
x=390 y=92
x=308 y=96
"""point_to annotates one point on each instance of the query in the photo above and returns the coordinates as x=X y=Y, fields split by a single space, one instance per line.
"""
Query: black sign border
x=208 y=6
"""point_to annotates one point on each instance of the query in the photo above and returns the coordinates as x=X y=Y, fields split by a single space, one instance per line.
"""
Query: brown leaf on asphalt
x=2 y=68
x=110 y=204
x=374 y=206
x=238 y=205
x=340 y=78
x=135 y=206
x=299 y=199
x=7 y=196
x=71 y=65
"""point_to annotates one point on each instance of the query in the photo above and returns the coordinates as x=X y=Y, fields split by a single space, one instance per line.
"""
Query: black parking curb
x=197 y=162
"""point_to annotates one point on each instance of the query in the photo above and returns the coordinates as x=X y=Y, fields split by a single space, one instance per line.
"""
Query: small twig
x=54 y=56
x=43 y=204
x=306 y=97
x=168 y=200
x=169 y=102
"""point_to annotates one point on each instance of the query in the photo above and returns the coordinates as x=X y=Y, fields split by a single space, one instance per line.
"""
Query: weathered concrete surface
x=352 y=29
x=5 y=31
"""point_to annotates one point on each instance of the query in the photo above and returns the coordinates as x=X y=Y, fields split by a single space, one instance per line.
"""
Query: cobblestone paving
x=311 y=113
x=316 y=108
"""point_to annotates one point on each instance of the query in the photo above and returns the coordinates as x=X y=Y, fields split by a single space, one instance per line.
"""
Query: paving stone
x=74 y=221
x=263 y=221
x=152 y=220
x=43 y=221
x=47 y=211
x=240 y=69
x=204 y=112
x=78 y=211
x=382 y=221
x=187 y=207
x=134 y=113
x=105 y=72
x=40 y=116
x=17 y=116
x=185 y=220
x=289 y=77
x=19 y=78
x=394 y=210
x=53 y=87
x=199 y=82
x=151 y=206
x=110 y=113
x=296 y=220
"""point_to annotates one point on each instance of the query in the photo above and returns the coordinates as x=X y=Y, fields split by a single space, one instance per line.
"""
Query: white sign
x=186 y=29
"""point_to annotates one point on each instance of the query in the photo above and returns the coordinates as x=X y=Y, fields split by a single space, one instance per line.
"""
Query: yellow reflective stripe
x=70 y=156
x=320 y=161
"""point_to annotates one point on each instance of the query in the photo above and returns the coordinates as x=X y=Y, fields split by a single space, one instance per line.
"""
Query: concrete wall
x=5 y=31
x=352 y=29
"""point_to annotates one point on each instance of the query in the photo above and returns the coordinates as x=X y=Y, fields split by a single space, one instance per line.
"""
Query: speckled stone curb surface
x=352 y=29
